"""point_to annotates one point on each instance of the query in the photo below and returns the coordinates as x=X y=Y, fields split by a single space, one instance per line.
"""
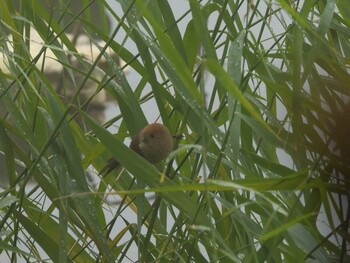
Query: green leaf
x=47 y=243
x=148 y=174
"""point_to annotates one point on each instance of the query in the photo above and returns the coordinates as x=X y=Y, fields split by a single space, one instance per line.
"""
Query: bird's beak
x=141 y=145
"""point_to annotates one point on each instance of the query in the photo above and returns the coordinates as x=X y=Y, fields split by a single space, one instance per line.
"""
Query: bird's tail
x=109 y=167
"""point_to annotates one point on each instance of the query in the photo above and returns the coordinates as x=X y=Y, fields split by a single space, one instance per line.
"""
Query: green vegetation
x=260 y=91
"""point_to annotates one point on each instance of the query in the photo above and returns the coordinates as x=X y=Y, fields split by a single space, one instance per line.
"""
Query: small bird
x=154 y=143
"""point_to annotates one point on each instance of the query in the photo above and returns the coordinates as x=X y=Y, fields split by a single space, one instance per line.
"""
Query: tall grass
x=260 y=91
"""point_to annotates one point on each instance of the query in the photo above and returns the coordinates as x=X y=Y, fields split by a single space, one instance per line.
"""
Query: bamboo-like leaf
x=259 y=92
x=147 y=173
x=48 y=243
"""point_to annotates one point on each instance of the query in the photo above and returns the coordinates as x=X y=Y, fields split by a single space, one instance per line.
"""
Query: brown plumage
x=154 y=143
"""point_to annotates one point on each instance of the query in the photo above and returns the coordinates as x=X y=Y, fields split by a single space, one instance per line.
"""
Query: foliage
x=260 y=91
